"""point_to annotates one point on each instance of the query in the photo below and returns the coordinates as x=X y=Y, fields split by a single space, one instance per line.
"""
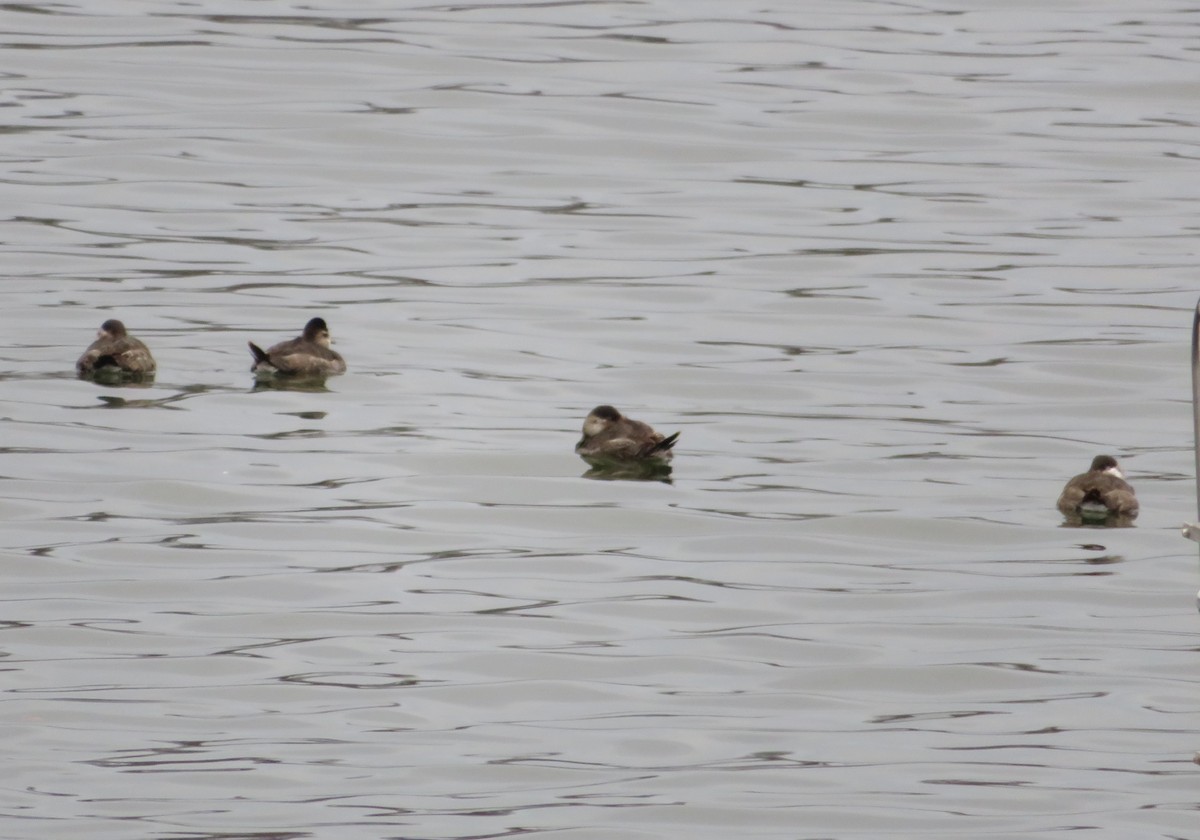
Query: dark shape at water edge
x=1090 y=518
x=114 y=377
x=604 y=469
x=284 y=382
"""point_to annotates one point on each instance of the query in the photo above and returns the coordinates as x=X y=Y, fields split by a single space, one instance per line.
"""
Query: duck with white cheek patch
x=610 y=436
x=309 y=355
x=115 y=354
x=1099 y=494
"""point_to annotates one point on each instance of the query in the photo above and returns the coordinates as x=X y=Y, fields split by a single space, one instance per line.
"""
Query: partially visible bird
x=307 y=355
x=1099 y=493
x=115 y=353
x=611 y=436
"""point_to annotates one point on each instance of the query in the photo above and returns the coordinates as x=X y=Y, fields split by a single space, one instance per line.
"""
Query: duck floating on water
x=115 y=353
x=608 y=435
x=308 y=355
x=1099 y=493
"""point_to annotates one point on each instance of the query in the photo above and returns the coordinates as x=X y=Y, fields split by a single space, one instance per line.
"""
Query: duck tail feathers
x=260 y=355
x=1092 y=497
x=666 y=444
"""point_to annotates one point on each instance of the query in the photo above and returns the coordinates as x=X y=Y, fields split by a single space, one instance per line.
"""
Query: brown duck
x=1100 y=492
x=307 y=355
x=611 y=436
x=115 y=352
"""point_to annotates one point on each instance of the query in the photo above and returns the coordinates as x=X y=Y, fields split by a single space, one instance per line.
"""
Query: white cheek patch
x=1115 y=472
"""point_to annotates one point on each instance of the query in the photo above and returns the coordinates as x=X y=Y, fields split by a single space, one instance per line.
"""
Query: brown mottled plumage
x=115 y=352
x=611 y=436
x=1100 y=492
x=308 y=355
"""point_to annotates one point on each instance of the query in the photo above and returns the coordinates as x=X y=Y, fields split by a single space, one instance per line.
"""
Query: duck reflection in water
x=616 y=447
x=279 y=382
x=116 y=358
x=1100 y=496
x=300 y=363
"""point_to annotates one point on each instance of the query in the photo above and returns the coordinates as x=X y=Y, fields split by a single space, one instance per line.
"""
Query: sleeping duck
x=608 y=435
x=115 y=353
x=1099 y=493
x=307 y=356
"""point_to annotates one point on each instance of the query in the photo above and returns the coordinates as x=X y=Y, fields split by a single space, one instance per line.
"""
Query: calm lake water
x=895 y=270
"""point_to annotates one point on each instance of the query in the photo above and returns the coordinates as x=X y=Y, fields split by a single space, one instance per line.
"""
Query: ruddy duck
x=115 y=353
x=1099 y=493
x=608 y=435
x=308 y=355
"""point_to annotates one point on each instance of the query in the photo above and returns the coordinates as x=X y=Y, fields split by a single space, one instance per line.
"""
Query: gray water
x=895 y=270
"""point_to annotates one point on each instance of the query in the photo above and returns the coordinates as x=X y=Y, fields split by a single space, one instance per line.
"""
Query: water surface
x=896 y=272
